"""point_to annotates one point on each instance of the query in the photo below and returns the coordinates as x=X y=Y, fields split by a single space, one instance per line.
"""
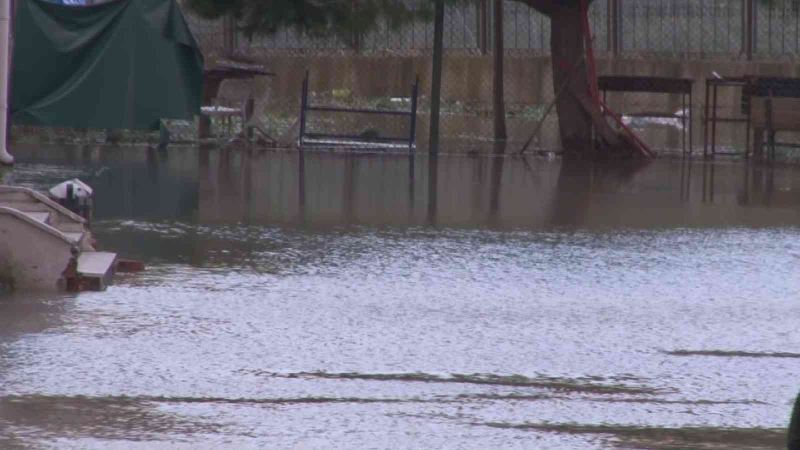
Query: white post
x=5 y=39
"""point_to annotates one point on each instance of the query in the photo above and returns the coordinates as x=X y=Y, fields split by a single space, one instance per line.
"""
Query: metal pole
x=750 y=29
x=483 y=27
x=499 y=108
x=436 y=76
x=303 y=108
x=5 y=47
x=413 y=132
x=614 y=30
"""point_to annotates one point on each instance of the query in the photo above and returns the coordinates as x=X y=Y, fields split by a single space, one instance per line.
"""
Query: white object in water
x=79 y=189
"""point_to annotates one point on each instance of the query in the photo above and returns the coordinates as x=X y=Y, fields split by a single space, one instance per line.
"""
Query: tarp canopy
x=121 y=64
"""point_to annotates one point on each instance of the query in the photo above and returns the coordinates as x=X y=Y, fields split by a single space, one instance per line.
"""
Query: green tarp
x=122 y=64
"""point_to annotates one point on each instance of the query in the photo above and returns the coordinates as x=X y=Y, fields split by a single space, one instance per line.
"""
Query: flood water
x=381 y=301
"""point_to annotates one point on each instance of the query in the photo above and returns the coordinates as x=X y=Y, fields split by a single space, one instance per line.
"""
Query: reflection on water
x=388 y=301
x=341 y=189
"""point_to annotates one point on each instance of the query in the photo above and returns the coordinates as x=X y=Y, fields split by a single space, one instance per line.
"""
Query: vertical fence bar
x=356 y=37
x=228 y=33
x=660 y=12
x=614 y=28
x=303 y=107
x=530 y=30
x=769 y=30
x=749 y=29
x=542 y=40
x=730 y=23
x=413 y=125
x=783 y=30
x=689 y=28
x=483 y=31
x=436 y=78
x=674 y=28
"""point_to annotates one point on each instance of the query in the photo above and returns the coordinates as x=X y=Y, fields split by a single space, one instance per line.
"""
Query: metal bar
x=728 y=36
x=609 y=27
x=413 y=125
x=647 y=26
x=689 y=28
x=483 y=32
x=705 y=119
x=769 y=30
x=436 y=78
x=683 y=121
x=357 y=138
x=541 y=33
x=770 y=131
x=529 y=11
x=303 y=106
x=516 y=25
x=749 y=123
x=714 y=21
x=714 y=122
x=783 y=30
x=386 y=112
x=660 y=11
x=463 y=28
x=689 y=115
x=674 y=28
x=752 y=29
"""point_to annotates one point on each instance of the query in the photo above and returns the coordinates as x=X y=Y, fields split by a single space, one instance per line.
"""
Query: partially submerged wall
x=467 y=78
x=467 y=89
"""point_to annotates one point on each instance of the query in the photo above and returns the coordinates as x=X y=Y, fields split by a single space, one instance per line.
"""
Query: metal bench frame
x=307 y=138
x=655 y=85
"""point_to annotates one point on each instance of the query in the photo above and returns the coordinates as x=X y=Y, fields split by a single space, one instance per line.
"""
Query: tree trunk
x=497 y=82
x=567 y=50
x=580 y=120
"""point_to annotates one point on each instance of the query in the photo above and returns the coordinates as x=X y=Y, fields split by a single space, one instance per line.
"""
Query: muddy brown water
x=381 y=301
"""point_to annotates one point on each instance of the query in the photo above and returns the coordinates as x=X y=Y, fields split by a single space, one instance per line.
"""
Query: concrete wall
x=467 y=82
x=468 y=78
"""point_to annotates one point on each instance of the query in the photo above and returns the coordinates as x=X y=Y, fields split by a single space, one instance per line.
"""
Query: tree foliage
x=342 y=18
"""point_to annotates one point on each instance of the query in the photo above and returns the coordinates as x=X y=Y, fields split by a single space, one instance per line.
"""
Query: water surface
x=381 y=301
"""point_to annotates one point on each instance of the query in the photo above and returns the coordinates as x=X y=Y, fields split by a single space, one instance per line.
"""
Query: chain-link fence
x=377 y=69
x=668 y=28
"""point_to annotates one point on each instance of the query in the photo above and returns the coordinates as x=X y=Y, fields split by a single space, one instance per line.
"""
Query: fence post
x=228 y=34
x=356 y=37
x=750 y=28
x=436 y=77
x=614 y=30
x=483 y=27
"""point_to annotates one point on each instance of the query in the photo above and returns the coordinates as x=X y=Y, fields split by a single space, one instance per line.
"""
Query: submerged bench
x=213 y=77
x=772 y=104
x=655 y=85
x=367 y=138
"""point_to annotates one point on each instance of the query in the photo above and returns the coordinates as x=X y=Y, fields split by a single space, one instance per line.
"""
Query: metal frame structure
x=307 y=138
x=655 y=85
x=710 y=117
x=768 y=88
